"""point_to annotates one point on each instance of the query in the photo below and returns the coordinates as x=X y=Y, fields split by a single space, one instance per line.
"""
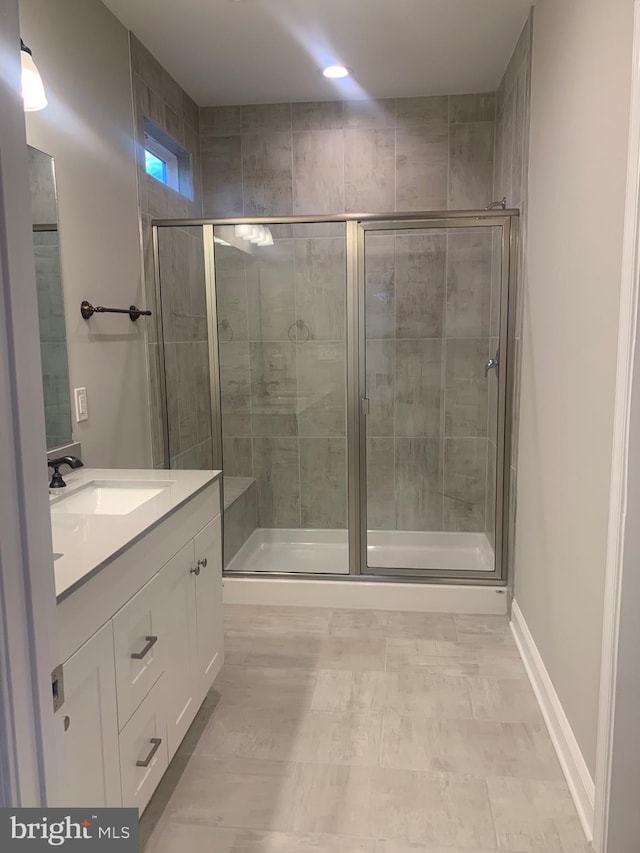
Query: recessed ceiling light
x=336 y=72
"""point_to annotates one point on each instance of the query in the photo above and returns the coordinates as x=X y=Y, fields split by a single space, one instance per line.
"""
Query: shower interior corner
x=257 y=348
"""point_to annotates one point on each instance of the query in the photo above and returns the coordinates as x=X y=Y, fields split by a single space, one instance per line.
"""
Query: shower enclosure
x=351 y=376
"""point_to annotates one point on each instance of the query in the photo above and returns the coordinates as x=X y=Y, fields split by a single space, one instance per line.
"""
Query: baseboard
x=577 y=774
x=366 y=595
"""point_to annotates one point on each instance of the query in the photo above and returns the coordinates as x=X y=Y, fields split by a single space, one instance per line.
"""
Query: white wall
x=28 y=639
x=579 y=123
x=82 y=53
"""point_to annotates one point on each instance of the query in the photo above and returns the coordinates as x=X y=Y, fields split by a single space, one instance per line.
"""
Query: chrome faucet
x=56 y=481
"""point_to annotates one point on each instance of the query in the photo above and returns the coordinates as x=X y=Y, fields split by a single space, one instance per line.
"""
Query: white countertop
x=89 y=542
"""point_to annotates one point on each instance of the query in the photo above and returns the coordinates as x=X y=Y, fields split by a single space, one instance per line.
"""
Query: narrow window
x=166 y=161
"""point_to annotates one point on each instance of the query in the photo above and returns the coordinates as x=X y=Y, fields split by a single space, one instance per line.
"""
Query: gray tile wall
x=240 y=514
x=427 y=345
x=158 y=97
x=510 y=180
x=282 y=357
x=428 y=322
x=53 y=337
x=402 y=154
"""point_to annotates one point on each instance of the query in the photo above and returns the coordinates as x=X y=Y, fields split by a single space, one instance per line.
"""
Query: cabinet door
x=88 y=723
x=209 y=624
x=179 y=618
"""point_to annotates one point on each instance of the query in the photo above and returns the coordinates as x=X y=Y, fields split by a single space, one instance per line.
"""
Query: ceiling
x=268 y=51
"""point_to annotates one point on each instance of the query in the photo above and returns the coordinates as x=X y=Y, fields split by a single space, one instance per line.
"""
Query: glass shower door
x=281 y=301
x=431 y=322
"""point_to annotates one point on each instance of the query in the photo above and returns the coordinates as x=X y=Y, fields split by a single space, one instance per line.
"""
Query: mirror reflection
x=53 y=336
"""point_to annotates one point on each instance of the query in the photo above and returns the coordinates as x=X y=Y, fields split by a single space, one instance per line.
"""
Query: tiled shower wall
x=428 y=446
x=373 y=156
x=282 y=364
x=511 y=180
x=432 y=305
x=159 y=98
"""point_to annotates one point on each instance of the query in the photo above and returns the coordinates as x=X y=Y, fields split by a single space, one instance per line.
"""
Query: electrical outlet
x=82 y=408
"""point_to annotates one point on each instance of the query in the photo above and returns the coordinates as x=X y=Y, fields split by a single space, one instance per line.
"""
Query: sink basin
x=108 y=498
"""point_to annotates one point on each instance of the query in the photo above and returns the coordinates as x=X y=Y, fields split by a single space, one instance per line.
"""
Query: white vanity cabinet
x=208 y=590
x=192 y=581
x=88 y=726
x=134 y=686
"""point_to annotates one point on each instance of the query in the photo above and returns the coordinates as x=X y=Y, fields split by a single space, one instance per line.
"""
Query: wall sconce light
x=32 y=87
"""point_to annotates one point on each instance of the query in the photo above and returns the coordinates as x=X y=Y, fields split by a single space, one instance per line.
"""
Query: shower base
x=326 y=551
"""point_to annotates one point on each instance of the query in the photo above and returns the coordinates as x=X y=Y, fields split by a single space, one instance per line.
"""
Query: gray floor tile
x=293 y=734
x=265 y=687
x=400 y=847
x=266 y=619
x=340 y=731
x=479 y=747
x=504 y=699
x=393 y=804
x=445 y=658
x=305 y=651
x=405 y=692
x=535 y=817
x=387 y=623
x=255 y=796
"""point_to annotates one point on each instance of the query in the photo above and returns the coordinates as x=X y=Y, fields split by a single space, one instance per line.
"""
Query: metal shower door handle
x=492 y=364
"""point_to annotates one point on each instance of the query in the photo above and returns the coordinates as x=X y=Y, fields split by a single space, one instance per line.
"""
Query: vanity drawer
x=139 y=645
x=143 y=751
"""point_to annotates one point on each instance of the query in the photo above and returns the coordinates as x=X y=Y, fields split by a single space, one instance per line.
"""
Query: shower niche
x=351 y=377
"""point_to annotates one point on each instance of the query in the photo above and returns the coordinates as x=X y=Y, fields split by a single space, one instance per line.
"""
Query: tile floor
x=344 y=731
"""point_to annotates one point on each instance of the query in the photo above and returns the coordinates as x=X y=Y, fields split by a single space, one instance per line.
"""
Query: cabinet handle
x=151 y=641
x=203 y=562
x=195 y=571
x=156 y=741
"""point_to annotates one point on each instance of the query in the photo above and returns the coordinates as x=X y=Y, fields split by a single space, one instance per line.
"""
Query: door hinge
x=57 y=687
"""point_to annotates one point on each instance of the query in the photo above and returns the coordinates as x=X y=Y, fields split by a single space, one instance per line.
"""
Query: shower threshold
x=326 y=552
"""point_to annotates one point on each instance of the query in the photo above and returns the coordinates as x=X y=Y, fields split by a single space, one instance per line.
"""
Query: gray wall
x=581 y=57
x=355 y=156
x=313 y=158
x=511 y=182
x=429 y=316
x=283 y=385
x=82 y=52
x=158 y=97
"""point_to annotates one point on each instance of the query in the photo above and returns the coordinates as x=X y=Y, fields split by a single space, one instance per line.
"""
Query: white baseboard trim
x=577 y=774
x=366 y=595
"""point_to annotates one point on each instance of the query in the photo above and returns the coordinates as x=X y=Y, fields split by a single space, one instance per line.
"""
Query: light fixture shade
x=32 y=87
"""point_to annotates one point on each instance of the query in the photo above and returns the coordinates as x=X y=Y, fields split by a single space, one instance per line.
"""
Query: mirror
x=53 y=335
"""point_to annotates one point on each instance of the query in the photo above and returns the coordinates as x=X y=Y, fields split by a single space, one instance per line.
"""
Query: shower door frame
x=446 y=220
x=356 y=226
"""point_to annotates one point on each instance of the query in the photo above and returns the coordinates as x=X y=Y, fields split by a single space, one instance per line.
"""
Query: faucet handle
x=56 y=480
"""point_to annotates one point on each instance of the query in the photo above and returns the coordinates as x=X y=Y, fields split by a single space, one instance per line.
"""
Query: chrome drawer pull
x=156 y=741
x=151 y=641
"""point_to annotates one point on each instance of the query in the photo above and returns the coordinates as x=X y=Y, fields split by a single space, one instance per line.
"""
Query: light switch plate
x=82 y=409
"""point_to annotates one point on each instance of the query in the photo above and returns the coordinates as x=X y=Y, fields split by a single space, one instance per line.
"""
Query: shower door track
x=357 y=225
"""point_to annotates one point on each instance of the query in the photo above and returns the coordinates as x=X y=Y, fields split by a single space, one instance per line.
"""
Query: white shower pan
x=326 y=552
